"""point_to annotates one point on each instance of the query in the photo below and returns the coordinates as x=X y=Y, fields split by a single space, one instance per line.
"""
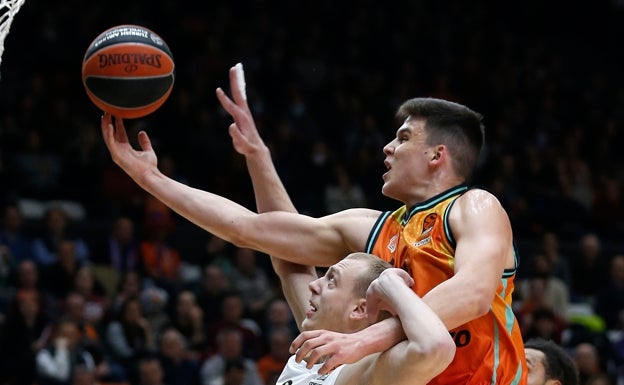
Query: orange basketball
x=128 y=70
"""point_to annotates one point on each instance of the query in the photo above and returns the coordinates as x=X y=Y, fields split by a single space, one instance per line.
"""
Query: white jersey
x=297 y=374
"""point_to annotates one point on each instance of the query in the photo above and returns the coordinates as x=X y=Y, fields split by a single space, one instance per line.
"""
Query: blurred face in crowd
x=172 y=344
x=150 y=372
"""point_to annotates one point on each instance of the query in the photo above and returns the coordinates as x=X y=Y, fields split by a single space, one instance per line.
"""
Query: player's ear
x=438 y=151
x=359 y=309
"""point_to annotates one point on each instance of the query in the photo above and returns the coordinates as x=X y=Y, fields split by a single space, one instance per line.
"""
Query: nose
x=389 y=148
x=315 y=286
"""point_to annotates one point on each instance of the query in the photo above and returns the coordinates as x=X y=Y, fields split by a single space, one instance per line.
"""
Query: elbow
x=480 y=303
x=482 y=307
x=240 y=238
x=438 y=352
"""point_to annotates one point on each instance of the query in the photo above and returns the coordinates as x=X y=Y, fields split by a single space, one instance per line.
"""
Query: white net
x=8 y=9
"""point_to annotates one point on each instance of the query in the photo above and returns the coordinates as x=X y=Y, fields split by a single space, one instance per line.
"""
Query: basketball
x=128 y=71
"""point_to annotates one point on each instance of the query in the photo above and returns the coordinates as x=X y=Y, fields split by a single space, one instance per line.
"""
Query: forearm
x=454 y=311
x=381 y=336
x=217 y=215
x=269 y=191
x=423 y=329
x=271 y=195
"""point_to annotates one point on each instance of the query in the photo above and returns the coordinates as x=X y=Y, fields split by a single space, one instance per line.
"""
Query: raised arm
x=269 y=191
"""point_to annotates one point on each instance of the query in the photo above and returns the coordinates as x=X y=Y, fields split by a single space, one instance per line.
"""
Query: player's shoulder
x=476 y=203
x=479 y=197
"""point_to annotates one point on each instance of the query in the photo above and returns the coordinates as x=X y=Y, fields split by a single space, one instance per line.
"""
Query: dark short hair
x=456 y=126
x=558 y=364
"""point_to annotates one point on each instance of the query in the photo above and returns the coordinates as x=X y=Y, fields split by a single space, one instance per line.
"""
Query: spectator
x=234 y=373
x=59 y=277
x=252 y=282
x=608 y=209
x=23 y=275
x=229 y=348
x=279 y=316
x=120 y=249
x=210 y=292
x=56 y=230
x=188 y=318
x=559 y=262
x=38 y=168
x=218 y=254
x=129 y=337
x=154 y=302
x=588 y=362
x=342 y=193
x=58 y=359
x=274 y=361
x=610 y=297
x=74 y=309
x=553 y=292
x=150 y=371
x=588 y=268
x=600 y=379
x=543 y=323
x=617 y=347
x=180 y=366
x=96 y=302
x=13 y=235
x=25 y=332
x=233 y=309
x=160 y=261
x=129 y=286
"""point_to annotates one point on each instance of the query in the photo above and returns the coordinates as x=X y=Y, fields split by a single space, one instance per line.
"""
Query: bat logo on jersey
x=428 y=223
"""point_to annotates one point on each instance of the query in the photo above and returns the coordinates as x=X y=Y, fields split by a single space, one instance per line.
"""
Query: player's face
x=407 y=159
x=333 y=300
x=535 y=362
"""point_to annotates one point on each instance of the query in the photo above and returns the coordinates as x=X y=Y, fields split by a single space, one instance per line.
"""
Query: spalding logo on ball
x=128 y=70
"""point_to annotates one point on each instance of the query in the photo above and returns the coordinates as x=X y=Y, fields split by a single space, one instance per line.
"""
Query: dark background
x=547 y=78
x=324 y=79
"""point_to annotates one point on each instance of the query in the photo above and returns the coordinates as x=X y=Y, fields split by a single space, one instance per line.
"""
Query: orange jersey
x=490 y=349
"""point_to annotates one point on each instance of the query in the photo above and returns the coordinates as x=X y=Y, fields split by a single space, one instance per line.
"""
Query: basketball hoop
x=8 y=10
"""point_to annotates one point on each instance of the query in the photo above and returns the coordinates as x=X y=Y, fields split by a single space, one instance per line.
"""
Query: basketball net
x=8 y=10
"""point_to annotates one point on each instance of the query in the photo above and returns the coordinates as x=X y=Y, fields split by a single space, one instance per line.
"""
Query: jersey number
x=461 y=338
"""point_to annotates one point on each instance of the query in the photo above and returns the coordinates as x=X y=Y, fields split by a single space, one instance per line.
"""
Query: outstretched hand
x=378 y=292
x=133 y=162
x=245 y=136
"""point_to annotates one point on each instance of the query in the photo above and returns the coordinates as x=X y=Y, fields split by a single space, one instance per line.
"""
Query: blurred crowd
x=99 y=282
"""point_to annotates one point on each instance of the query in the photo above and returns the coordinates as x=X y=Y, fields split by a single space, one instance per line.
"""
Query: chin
x=307 y=325
x=387 y=192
